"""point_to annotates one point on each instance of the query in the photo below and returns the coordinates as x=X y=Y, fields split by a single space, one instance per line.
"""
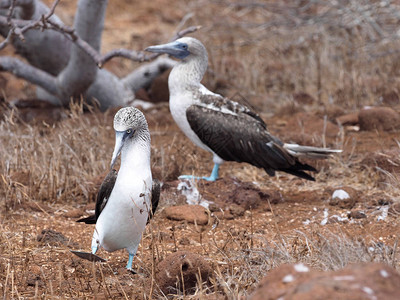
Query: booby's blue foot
x=214 y=175
x=130 y=260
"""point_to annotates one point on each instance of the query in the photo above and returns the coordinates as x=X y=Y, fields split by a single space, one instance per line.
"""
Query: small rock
x=379 y=118
x=344 y=197
x=213 y=207
x=33 y=278
x=54 y=238
x=358 y=281
x=184 y=241
x=178 y=265
x=390 y=99
x=74 y=213
x=190 y=213
x=303 y=98
x=357 y=214
x=236 y=210
x=226 y=215
x=348 y=120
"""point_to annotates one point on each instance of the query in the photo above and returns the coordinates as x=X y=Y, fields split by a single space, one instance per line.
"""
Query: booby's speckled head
x=181 y=48
x=129 y=118
x=129 y=122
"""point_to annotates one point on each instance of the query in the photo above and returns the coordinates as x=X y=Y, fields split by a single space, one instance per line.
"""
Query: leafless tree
x=65 y=63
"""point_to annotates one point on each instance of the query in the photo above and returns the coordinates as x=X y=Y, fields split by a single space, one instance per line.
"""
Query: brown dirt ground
x=287 y=220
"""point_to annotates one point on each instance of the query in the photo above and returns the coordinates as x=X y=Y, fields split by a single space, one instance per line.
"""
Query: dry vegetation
x=262 y=52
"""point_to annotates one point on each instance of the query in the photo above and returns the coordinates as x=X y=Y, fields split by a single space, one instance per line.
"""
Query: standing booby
x=127 y=198
x=227 y=129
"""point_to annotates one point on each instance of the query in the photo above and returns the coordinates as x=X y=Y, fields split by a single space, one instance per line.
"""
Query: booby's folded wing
x=216 y=102
x=235 y=133
x=102 y=197
x=155 y=197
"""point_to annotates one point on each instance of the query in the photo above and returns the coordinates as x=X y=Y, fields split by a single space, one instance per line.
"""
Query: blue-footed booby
x=127 y=198
x=229 y=130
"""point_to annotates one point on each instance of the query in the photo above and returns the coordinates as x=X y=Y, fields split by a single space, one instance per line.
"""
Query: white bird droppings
x=368 y=290
x=384 y=213
x=288 y=278
x=384 y=273
x=301 y=268
x=344 y=278
x=325 y=219
x=192 y=194
x=341 y=194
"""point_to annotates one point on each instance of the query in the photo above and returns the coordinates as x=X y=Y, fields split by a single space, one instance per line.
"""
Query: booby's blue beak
x=119 y=142
x=120 y=138
x=175 y=49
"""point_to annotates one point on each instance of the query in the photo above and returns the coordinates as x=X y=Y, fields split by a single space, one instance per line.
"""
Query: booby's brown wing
x=102 y=197
x=155 y=197
x=240 y=135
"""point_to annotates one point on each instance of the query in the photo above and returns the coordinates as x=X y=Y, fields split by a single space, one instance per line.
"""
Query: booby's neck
x=135 y=156
x=187 y=74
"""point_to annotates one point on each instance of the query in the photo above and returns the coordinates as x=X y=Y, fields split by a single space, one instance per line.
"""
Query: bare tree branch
x=29 y=73
x=140 y=55
x=69 y=71
x=19 y=27
x=45 y=23
x=10 y=12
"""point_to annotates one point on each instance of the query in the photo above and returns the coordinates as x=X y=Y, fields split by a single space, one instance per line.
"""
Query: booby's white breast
x=123 y=219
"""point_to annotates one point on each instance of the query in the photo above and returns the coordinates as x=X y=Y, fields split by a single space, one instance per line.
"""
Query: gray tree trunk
x=63 y=71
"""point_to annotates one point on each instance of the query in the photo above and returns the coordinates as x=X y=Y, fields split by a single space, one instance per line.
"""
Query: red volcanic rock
x=379 y=118
x=190 y=213
x=390 y=99
x=243 y=194
x=359 y=281
x=180 y=271
x=357 y=214
x=344 y=197
x=348 y=120
x=54 y=238
x=303 y=98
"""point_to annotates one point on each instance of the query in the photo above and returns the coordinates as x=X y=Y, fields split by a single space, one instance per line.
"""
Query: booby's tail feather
x=310 y=152
x=88 y=220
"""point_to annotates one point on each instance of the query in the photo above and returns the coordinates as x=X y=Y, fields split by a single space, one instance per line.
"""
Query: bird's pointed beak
x=119 y=142
x=174 y=49
x=169 y=48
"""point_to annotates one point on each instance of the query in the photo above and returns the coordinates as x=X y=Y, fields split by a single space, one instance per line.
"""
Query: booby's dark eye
x=184 y=46
x=129 y=131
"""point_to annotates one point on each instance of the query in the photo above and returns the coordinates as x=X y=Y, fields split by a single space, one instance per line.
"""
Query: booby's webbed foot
x=214 y=175
x=192 y=177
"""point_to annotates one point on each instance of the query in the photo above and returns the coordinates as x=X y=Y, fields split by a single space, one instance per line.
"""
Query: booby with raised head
x=229 y=130
x=125 y=199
